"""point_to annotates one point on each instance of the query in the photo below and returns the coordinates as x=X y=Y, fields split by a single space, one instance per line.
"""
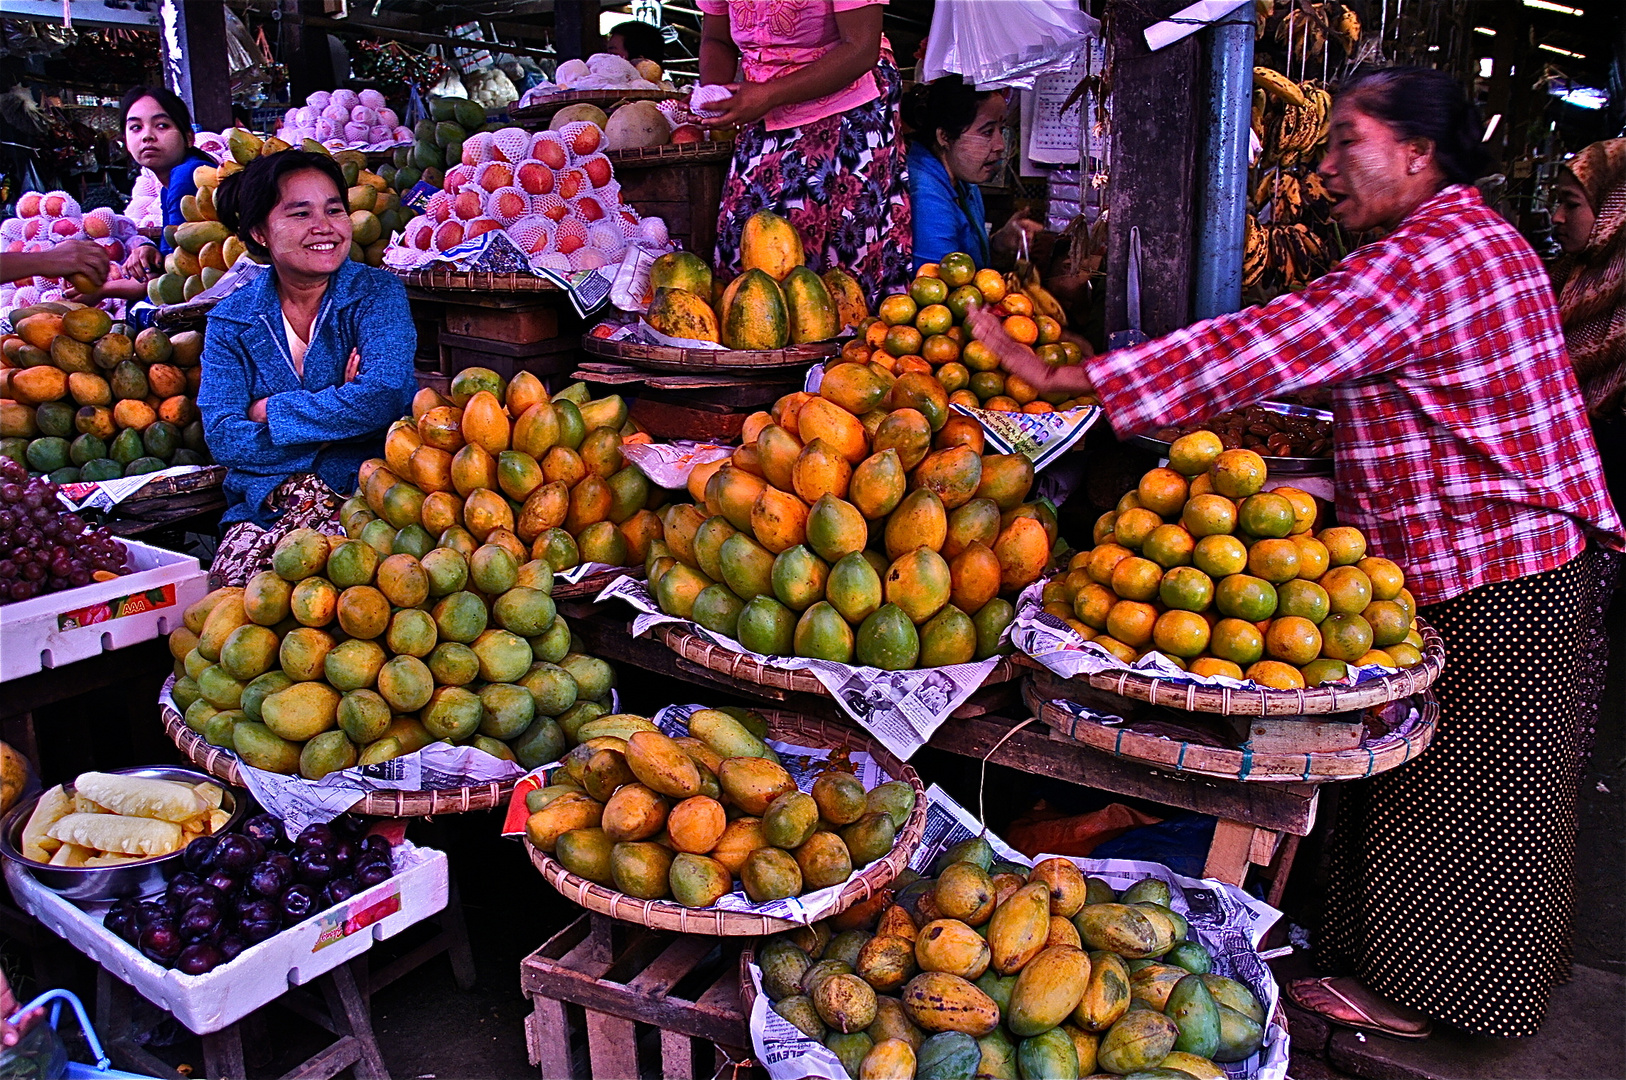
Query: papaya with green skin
x=809 y=308
x=769 y=244
x=753 y=313
x=1196 y=1014
x=681 y=270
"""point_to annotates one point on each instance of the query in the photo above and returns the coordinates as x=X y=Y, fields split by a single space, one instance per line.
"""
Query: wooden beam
x=305 y=50
x=1154 y=160
x=575 y=27
x=197 y=70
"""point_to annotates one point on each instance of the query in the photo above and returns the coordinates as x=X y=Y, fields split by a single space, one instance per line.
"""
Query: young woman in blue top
x=305 y=367
x=957 y=141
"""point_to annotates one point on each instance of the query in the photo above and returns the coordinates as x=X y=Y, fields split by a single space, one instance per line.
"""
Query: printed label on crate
x=117 y=608
x=337 y=925
x=418 y=196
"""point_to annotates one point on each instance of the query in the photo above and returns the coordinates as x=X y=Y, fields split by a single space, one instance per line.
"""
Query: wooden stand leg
x=352 y=1017
x=114 y=1025
x=549 y=1035
x=1281 y=868
x=223 y=1054
x=456 y=931
x=1228 y=853
x=612 y=1044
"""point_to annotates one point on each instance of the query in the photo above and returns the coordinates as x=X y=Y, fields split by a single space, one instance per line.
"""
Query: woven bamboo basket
x=593 y=584
x=649 y=157
x=708 y=361
x=1311 y=701
x=222 y=764
x=607 y=100
x=442 y=278
x=669 y=915
x=1230 y=763
x=698 y=649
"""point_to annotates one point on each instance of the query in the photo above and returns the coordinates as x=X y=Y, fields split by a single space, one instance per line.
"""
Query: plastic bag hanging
x=997 y=44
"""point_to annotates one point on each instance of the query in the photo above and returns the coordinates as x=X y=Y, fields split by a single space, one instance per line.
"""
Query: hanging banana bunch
x=1255 y=254
x=1028 y=284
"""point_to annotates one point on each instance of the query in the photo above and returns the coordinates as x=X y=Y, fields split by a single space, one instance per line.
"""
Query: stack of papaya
x=655 y=817
x=84 y=398
x=992 y=969
x=921 y=331
x=1202 y=565
x=344 y=653
x=776 y=300
x=863 y=524
x=204 y=249
x=500 y=462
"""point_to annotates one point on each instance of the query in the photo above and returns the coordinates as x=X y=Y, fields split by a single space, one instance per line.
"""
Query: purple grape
x=198 y=959
x=231 y=947
x=298 y=901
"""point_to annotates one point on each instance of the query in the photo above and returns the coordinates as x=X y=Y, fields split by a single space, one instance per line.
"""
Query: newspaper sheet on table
x=1041 y=437
x=103 y=495
x=495 y=253
x=1057 y=646
x=804 y=764
x=900 y=708
x=641 y=333
x=299 y=802
x=1226 y=920
x=668 y=465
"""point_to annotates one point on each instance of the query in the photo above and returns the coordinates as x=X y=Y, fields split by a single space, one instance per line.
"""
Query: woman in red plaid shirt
x=1464 y=455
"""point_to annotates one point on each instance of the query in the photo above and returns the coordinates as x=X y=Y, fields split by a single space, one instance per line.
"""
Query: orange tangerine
x=1073 y=352
x=1348 y=589
x=1203 y=484
x=1076 y=580
x=978 y=357
x=1238 y=641
x=1266 y=515
x=1105 y=526
x=1055 y=589
x=927 y=270
x=940 y=349
x=1293 y=640
x=1388 y=621
x=856 y=351
x=1001 y=403
x=1213 y=665
x=1193 y=454
x=1163 y=491
x=898 y=309
x=904 y=341
x=1038 y=407
x=1135 y=525
x=1407 y=601
x=928 y=290
x=1052 y=353
x=1304 y=510
x=1186 y=588
x=1303 y=598
x=1243 y=596
x=1080 y=629
x=953 y=375
x=1345 y=545
x=1378 y=658
x=1312 y=556
x=1104 y=559
x=934 y=319
x=1017 y=304
x=1276 y=675
x=963 y=300
x=1218 y=556
x=991 y=284
x=1387 y=578
x=1021 y=328
x=1324 y=670
x=875 y=335
x=1020 y=390
x=987 y=384
x=1049 y=331
x=1135 y=578
x=1238 y=473
x=1168 y=546
x=1131 y=622
x=1128 y=501
x=915 y=363
x=1208 y=515
x=1116 y=648
x=1414 y=639
x=1274 y=560
x=1059 y=609
x=1345 y=637
x=1180 y=633
x=1092 y=604
x=1405 y=654
x=956 y=268
x=1080 y=560
x=966 y=398
x=884 y=360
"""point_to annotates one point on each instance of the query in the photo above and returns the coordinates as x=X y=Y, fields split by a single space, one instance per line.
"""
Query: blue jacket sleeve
x=939 y=223
x=380 y=394
x=223 y=399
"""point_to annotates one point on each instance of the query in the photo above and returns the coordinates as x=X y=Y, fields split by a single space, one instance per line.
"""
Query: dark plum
x=269 y=878
x=231 y=946
x=339 y=890
x=198 y=959
x=174 y=904
x=314 y=867
x=257 y=909
x=297 y=902
x=375 y=845
x=266 y=828
x=121 y=921
x=349 y=826
x=222 y=881
x=282 y=859
x=372 y=872
x=256 y=932
x=196 y=856
x=235 y=852
x=160 y=943
x=316 y=838
x=345 y=855
x=151 y=911
x=200 y=922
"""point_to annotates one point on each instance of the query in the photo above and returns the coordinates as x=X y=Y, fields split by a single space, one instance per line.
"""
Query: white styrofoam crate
x=58 y=628
x=261 y=973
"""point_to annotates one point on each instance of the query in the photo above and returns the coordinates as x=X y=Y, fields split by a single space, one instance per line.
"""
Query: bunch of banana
x=1298 y=129
x=1286 y=199
x=1275 y=83
x=1028 y=284
x=1258 y=118
x=1255 y=254
x=1347 y=29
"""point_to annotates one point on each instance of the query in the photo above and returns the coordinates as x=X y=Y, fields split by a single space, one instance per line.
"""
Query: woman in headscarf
x=1589 y=222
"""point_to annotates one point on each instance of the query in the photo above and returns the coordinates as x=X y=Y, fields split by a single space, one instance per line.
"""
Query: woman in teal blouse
x=957 y=142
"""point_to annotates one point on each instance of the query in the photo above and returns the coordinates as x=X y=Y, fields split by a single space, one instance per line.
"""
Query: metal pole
x=1222 y=180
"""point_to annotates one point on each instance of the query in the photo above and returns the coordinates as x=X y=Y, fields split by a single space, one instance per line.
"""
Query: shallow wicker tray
x=670 y=915
x=1311 y=701
x=544 y=108
x=698 y=649
x=594 y=584
x=674 y=358
x=1230 y=763
x=222 y=764
x=648 y=157
x=445 y=279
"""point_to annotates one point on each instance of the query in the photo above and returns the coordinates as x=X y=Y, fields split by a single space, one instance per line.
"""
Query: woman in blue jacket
x=305 y=367
x=957 y=141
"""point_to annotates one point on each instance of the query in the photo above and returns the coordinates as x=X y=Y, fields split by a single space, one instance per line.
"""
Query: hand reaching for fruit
x=750 y=102
x=1022 y=361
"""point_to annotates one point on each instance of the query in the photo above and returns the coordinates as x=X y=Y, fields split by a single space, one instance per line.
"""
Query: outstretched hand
x=750 y=102
x=1023 y=362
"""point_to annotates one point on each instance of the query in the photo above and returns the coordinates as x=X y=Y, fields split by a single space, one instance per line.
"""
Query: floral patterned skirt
x=841 y=181
x=300 y=502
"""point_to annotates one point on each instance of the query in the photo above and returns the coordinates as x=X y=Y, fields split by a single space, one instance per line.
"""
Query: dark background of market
x=1536 y=58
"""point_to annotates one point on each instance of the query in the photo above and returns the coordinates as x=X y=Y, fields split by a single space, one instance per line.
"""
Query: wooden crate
x=507 y=359
x=708 y=408
x=614 y=1001
x=688 y=198
x=517 y=326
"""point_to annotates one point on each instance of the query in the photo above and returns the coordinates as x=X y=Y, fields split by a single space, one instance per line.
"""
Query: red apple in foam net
x=687 y=133
x=534 y=178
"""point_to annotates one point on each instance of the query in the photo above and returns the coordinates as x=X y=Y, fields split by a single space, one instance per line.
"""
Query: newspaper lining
x=900 y=708
x=103 y=495
x=1226 y=920
x=668 y=465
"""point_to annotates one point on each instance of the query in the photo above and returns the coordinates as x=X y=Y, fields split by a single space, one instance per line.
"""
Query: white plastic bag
x=996 y=44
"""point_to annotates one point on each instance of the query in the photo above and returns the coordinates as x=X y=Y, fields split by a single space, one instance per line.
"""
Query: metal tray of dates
x=1294 y=440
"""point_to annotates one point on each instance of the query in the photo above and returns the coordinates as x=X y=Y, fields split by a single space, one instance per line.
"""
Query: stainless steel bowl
x=88 y=885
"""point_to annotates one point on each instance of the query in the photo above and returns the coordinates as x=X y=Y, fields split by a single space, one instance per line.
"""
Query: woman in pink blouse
x=815 y=95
